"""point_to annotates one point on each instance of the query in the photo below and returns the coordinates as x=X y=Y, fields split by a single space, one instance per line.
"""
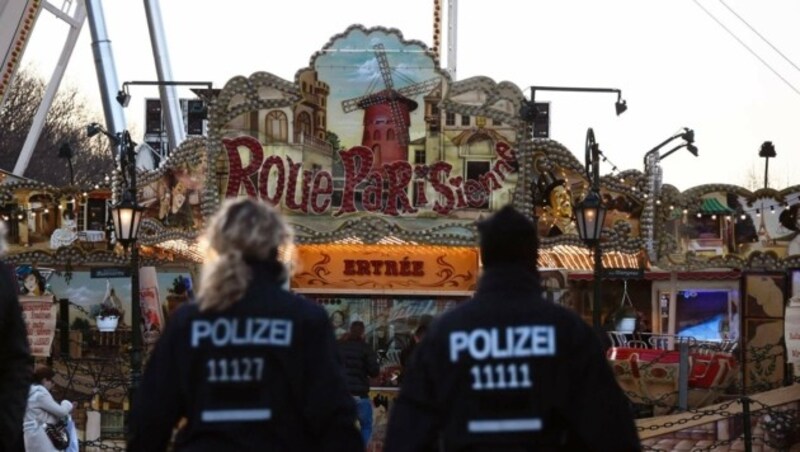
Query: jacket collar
x=508 y=278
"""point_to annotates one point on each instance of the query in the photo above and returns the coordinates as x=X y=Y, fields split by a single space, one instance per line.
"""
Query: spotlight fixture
x=688 y=135
x=621 y=104
x=123 y=98
x=93 y=129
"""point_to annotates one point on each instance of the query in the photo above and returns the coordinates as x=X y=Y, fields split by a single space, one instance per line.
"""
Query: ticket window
x=707 y=312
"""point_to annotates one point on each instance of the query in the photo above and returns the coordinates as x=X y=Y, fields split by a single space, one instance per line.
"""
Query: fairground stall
x=382 y=164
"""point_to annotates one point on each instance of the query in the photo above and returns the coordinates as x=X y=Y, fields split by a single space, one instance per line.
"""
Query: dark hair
x=357 y=329
x=508 y=237
x=43 y=373
x=421 y=330
x=40 y=282
x=788 y=217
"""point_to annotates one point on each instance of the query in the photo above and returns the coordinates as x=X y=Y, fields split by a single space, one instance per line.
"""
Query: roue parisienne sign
x=384 y=190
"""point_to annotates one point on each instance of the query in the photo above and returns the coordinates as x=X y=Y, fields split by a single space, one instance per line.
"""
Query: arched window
x=303 y=123
x=480 y=144
x=376 y=135
x=390 y=135
x=276 y=126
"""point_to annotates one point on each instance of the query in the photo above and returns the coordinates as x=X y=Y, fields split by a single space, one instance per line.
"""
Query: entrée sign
x=392 y=180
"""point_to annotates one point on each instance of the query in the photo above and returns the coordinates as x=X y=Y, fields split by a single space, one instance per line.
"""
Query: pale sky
x=675 y=65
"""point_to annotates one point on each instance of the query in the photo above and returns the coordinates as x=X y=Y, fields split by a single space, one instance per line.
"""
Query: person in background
x=249 y=366
x=15 y=358
x=339 y=323
x=408 y=350
x=507 y=370
x=42 y=409
x=360 y=363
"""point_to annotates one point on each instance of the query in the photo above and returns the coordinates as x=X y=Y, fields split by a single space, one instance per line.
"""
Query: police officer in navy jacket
x=509 y=371
x=250 y=366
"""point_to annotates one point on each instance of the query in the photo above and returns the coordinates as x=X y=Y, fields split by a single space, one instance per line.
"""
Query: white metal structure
x=17 y=19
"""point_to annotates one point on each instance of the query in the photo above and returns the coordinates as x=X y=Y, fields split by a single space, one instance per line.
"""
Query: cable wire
x=752 y=52
x=759 y=35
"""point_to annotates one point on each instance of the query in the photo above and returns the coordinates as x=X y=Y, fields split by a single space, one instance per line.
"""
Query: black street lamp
x=537 y=115
x=65 y=152
x=620 y=106
x=653 y=171
x=124 y=96
x=767 y=151
x=127 y=216
x=590 y=214
x=687 y=135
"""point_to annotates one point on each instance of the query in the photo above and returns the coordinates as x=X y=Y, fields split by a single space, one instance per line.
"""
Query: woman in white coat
x=42 y=409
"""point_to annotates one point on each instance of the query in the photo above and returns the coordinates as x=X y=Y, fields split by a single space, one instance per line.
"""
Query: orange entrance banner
x=396 y=268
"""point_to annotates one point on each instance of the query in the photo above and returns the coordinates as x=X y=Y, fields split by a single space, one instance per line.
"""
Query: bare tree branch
x=65 y=123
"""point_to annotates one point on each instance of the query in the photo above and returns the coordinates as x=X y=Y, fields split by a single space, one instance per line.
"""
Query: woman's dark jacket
x=262 y=375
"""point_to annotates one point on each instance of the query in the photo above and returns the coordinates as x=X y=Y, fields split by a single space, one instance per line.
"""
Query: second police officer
x=509 y=371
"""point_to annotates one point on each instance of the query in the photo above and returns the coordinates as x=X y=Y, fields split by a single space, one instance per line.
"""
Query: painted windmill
x=387 y=113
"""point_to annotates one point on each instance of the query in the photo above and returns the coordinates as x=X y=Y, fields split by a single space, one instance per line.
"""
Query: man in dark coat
x=360 y=363
x=15 y=360
x=509 y=371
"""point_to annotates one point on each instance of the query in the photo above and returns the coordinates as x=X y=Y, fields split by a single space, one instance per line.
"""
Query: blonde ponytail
x=242 y=230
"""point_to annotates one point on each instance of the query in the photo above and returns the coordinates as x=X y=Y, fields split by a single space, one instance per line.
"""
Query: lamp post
x=686 y=134
x=590 y=214
x=537 y=115
x=127 y=216
x=170 y=114
x=620 y=106
x=124 y=96
x=653 y=171
x=767 y=151
x=65 y=152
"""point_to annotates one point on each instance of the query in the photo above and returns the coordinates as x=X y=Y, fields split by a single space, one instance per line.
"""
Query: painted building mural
x=373 y=145
x=374 y=139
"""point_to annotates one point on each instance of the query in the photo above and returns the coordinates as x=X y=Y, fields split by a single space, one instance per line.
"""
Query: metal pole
x=170 y=104
x=592 y=162
x=75 y=24
x=598 y=267
x=683 y=375
x=748 y=435
x=63 y=325
x=106 y=69
x=71 y=173
x=766 y=172
x=136 y=308
x=136 y=314
x=452 y=38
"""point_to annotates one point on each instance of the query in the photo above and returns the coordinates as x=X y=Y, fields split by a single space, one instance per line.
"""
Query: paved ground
x=672 y=444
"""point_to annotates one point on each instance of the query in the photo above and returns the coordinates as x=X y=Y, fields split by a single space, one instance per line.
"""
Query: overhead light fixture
x=767 y=150
x=126 y=216
x=688 y=135
x=621 y=105
x=93 y=129
x=123 y=98
x=528 y=115
x=65 y=151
